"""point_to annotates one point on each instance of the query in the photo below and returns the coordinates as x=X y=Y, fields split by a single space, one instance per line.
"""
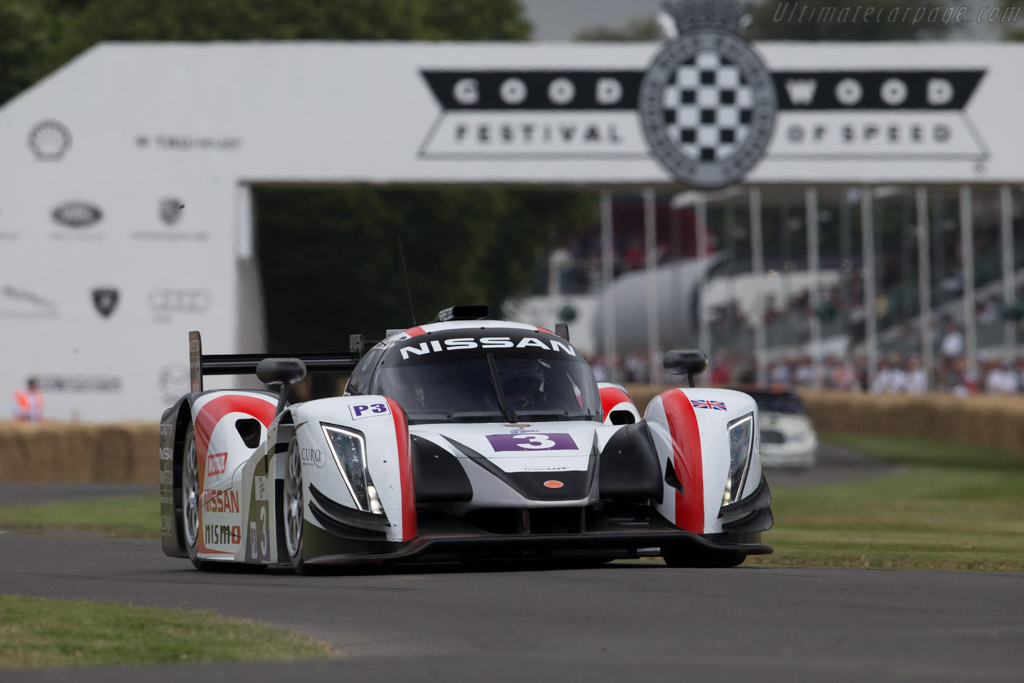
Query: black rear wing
x=200 y=364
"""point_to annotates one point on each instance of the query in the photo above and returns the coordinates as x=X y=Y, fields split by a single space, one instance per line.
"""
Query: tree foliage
x=642 y=29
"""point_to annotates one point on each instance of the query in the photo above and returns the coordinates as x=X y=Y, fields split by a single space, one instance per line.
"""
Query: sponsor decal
x=259 y=532
x=49 y=140
x=312 y=456
x=532 y=442
x=216 y=463
x=166 y=476
x=464 y=343
x=707 y=103
x=553 y=484
x=16 y=302
x=361 y=410
x=166 y=525
x=77 y=214
x=262 y=490
x=170 y=210
x=222 y=534
x=534 y=113
x=545 y=469
x=704 y=108
x=105 y=299
x=707 y=404
x=217 y=500
x=166 y=303
x=188 y=143
x=877 y=114
x=166 y=453
x=79 y=383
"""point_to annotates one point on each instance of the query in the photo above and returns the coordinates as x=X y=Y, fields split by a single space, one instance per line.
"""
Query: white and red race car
x=461 y=438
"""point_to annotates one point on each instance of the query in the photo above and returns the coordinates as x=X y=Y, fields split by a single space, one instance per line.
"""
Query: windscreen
x=489 y=379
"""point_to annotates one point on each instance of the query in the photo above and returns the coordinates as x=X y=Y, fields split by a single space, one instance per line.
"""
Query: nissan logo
x=553 y=484
x=179 y=300
x=77 y=214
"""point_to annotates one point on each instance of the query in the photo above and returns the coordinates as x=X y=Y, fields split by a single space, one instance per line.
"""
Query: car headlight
x=741 y=445
x=349 y=449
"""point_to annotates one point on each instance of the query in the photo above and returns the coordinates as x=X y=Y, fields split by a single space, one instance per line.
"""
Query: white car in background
x=788 y=439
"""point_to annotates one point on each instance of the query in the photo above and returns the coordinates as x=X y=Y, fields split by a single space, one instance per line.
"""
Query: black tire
x=190 y=500
x=291 y=507
x=701 y=558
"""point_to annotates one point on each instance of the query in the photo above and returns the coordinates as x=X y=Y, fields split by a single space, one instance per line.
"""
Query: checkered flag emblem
x=708 y=107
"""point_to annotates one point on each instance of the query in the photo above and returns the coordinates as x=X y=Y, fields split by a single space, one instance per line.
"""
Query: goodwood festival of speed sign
x=707 y=102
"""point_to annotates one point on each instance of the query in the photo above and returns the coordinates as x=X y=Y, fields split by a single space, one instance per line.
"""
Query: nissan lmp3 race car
x=464 y=439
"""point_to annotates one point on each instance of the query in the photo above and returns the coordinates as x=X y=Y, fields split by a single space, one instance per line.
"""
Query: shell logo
x=553 y=484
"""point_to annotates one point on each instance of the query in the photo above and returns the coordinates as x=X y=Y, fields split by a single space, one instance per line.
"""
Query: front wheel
x=190 y=502
x=292 y=508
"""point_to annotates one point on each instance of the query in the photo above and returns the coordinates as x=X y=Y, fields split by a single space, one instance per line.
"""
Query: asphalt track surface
x=623 y=622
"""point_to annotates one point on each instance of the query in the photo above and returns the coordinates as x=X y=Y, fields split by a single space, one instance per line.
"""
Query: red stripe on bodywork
x=541 y=329
x=611 y=397
x=409 y=529
x=687 y=460
x=414 y=331
x=206 y=421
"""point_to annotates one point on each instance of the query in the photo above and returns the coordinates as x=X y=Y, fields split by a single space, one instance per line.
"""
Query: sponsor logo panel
x=166 y=303
x=49 y=140
x=105 y=300
x=222 y=534
x=218 y=500
x=462 y=344
x=312 y=456
x=85 y=384
x=18 y=302
x=361 y=410
x=216 y=463
x=164 y=142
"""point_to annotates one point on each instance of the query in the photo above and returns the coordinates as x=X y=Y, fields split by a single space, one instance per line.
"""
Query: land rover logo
x=707 y=102
x=77 y=214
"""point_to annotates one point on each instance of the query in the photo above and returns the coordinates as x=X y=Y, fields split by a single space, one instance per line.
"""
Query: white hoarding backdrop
x=102 y=272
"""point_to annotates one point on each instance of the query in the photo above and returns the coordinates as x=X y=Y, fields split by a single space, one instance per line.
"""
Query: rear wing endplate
x=200 y=364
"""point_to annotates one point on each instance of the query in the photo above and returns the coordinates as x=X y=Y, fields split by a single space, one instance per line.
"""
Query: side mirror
x=280 y=370
x=687 y=362
x=283 y=371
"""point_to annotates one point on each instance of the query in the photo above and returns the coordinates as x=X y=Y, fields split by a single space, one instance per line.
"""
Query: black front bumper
x=611 y=544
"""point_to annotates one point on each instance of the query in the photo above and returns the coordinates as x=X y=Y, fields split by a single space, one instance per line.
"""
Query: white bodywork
x=714 y=447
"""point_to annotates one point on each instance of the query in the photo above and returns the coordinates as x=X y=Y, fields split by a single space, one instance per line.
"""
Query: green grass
x=36 y=632
x=951 y=507
x=135 y=516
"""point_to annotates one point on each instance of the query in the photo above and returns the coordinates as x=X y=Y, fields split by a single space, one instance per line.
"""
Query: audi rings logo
x=168 y=301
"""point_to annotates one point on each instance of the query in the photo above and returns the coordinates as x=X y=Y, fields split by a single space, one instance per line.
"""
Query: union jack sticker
x=708 y=405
